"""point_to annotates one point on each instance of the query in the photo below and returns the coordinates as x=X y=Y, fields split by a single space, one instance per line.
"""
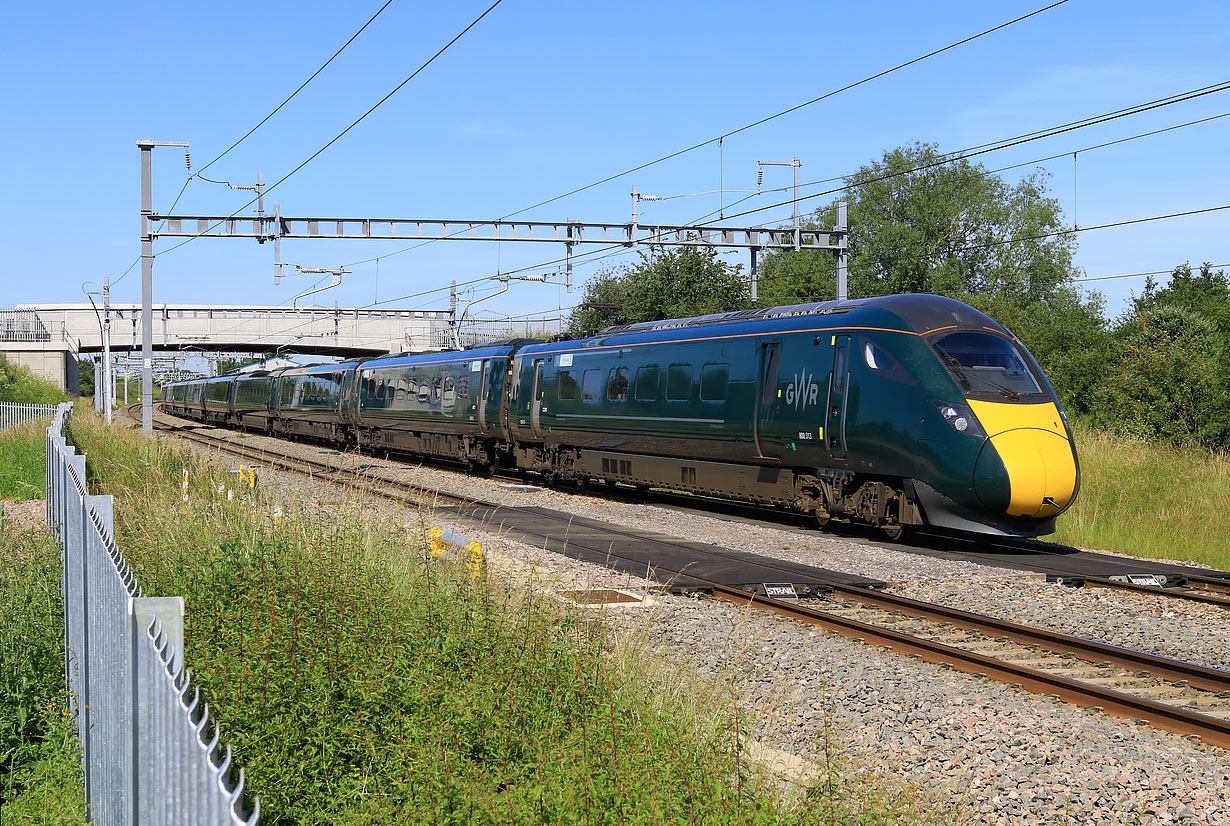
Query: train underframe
x=829 y=495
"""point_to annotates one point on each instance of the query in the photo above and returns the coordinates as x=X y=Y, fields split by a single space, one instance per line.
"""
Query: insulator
x=188 y=160
x=759 y=177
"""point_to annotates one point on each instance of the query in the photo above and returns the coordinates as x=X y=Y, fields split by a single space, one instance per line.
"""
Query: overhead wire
x=949 y=157
x=745 y=127
x=1140 y=274
x=793 y=109
x=1011 y=142
x=341 y=134
x=292 y=95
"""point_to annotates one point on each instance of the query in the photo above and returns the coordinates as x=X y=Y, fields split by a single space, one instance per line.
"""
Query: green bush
x=19 y=384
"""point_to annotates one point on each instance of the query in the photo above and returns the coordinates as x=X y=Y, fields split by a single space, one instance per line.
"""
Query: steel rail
x=1213 y=730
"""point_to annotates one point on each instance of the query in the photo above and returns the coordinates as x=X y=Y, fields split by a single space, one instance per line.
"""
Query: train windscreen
x=984 y=363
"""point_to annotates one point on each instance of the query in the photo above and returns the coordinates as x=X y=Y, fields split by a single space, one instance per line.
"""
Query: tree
x=1204 y=292
x=1166 y=378
x=666 y=283
x=922 y=222
x=85 y=377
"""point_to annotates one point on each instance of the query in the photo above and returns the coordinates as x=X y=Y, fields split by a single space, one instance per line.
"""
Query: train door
x=835 y=410
x=766 y=400
x=488 y=396
x=536 y=401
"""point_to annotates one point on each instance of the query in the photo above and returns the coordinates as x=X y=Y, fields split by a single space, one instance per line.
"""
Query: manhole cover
x=599 y=596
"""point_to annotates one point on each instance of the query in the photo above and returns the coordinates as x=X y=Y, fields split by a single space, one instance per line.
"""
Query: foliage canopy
x=665 y=283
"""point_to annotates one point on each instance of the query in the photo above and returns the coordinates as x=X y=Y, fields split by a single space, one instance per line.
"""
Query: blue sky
x=543 y=97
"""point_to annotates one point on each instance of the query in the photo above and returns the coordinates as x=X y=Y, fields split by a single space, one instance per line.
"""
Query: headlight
x=961 y=418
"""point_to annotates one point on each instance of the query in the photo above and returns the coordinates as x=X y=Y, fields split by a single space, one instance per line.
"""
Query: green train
x=891 y=412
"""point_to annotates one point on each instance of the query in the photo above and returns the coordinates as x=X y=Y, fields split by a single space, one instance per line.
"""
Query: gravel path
x=1001 y=756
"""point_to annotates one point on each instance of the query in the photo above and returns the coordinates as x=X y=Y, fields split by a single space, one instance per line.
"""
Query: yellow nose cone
x=1034 y=447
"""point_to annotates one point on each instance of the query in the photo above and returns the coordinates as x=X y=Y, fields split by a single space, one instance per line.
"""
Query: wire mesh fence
x=13 y=414
x=149 y=757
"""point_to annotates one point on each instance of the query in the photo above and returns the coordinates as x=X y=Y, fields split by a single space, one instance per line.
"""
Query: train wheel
x=893 y=533
x=485 y=469
x=822 y=518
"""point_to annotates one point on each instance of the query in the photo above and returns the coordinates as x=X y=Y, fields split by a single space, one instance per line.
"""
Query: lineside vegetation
x=1143 y=498
x=360 y=682
x=40 y=780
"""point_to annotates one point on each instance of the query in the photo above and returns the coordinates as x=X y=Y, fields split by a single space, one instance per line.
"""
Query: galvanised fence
x=13 y=414
x=150 y=758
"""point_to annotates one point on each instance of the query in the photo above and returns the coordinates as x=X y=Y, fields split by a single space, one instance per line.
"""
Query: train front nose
x=1027 y=468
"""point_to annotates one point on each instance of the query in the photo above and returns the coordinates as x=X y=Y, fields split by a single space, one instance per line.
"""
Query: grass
x=361 y=682
x=23 y=462
x=40 y=779
x=1143 y=498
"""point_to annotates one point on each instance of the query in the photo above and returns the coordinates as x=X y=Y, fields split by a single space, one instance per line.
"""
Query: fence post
x=164 y=616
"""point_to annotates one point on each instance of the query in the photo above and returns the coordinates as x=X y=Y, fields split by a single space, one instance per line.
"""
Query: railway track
x=1172 y=695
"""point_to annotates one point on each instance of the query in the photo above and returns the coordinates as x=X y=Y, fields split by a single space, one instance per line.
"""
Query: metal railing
x=22 y=325
x=13 y=414
x=148 y=759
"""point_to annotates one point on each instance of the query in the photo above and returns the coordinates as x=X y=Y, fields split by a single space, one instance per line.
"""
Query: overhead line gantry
x=274 y=227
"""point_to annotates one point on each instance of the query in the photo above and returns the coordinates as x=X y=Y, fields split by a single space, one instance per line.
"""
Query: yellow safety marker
x=440 y=541
x=278 y=516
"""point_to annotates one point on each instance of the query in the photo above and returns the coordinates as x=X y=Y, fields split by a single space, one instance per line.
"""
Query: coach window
x=713 y=381
x=679 y=383
x=450 y=390
x=463 y=387
x=591 y=385
x=567 y=386
x=435 y=389
x=646 y=384
x=617 y=384
x=388 y=393
x=424 y=390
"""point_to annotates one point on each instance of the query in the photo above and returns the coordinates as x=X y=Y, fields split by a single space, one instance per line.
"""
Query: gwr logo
x=802 y=391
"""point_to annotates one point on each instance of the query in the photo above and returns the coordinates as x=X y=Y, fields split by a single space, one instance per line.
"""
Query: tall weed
x=39 y=769
x=1144 y=498
x=23 y=462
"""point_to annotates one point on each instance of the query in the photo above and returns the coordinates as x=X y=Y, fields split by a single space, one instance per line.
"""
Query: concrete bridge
x=50 y=337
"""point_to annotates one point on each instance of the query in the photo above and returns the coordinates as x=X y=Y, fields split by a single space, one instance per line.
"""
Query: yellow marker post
x=475 y=562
